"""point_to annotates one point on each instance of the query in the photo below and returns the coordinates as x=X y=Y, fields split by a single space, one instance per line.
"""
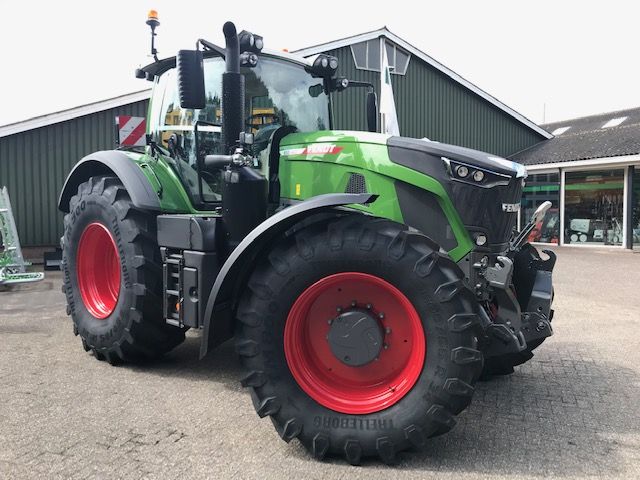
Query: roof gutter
x=70 y=114
x=620 y=160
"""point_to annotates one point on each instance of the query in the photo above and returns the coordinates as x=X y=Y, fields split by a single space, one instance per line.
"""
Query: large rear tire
x=359 y=338
x=113 y=276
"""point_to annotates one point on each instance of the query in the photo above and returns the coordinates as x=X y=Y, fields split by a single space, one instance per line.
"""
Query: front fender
x=113 y=162
x=235 y=268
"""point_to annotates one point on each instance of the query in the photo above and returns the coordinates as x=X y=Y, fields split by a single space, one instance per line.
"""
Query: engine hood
x=462 y=154
x=434 y=149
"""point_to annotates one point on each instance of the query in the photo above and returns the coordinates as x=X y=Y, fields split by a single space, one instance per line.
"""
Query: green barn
x=432 y=102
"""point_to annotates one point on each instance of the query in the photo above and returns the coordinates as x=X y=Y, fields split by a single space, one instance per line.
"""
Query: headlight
x=474 y=175
x=478 y=175
x=462 y=171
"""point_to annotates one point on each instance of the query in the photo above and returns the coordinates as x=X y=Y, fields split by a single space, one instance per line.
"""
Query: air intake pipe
x=232 y=90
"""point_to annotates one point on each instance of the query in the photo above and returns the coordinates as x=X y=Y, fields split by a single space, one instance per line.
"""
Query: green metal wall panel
x=35 y=163
x=349 y=106
x=431 y=104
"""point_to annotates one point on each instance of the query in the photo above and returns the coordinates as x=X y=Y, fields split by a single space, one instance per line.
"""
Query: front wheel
x=359 y=338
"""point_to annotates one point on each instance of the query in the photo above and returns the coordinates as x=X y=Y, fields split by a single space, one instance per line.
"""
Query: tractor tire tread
x=145 y=336
x=465 y=362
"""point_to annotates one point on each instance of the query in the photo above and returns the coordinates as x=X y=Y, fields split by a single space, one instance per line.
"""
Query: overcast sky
x=575 y=57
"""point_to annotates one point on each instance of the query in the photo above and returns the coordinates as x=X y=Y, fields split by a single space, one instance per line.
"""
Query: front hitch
x=532 y=280
x=523 y=292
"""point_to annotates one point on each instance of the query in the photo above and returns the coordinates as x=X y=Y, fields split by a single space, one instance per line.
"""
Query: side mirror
x=316 y=90
x=538 y=215
x=372 y=111
x=190 y=79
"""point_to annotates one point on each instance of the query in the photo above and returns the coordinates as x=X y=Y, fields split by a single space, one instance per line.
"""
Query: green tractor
x=368 y=280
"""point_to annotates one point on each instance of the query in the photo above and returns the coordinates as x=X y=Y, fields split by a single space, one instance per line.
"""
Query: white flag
x=387 y=105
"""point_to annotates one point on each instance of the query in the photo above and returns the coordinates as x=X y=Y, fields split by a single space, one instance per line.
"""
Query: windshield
x=277 y=93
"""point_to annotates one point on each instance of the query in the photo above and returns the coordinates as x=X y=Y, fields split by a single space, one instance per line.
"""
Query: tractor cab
x=279 y=92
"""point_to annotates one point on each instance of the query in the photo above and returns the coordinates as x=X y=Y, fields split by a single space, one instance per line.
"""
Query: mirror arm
x=211 y=47
x=358 y=83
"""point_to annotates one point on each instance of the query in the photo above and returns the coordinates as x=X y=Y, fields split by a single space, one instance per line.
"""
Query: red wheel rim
x=333 y=384
x=98 y=270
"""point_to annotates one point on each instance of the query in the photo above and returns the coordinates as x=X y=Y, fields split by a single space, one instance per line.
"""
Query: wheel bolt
x=339 y=309
x=353 y=304
x=385 y=346
x=381 y=315
x=330 y=321
x=368 y=306
x=387 y=330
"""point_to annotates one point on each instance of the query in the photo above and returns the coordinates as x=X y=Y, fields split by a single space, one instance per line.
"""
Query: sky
x=548 y=60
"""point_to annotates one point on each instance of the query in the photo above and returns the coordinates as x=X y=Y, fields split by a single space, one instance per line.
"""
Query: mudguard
x=235 y=268
x=130 y=174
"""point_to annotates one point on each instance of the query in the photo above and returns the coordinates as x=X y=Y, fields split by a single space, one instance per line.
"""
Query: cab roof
x=161 y=66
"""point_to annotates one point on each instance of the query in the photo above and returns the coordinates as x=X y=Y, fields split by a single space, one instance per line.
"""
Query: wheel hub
x=355 y=338
x=362 y=317
x=98 y=270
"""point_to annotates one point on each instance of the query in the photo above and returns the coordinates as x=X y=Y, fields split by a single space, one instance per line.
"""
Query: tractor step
x=172 y=288
x=190 y=265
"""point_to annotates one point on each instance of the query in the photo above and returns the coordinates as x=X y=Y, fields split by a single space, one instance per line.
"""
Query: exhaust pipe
x=232 y=90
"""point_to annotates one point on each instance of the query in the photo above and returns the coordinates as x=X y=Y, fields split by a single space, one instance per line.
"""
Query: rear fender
x=113 y=162
x=218 y=317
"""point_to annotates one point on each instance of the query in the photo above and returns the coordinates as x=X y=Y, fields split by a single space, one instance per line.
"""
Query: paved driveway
x=572 y=412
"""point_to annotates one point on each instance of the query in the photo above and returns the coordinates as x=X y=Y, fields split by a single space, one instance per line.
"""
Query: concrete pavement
x=571 y=412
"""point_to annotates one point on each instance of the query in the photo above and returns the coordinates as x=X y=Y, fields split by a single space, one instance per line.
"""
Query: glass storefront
x=539 y=188
x=594 y=207
x=635 y=208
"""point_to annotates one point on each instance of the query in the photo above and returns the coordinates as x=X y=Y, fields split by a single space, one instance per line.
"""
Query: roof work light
x=324 y=65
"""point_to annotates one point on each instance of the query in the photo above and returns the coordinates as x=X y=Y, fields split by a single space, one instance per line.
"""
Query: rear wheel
x=112 y=275
x=359 y=338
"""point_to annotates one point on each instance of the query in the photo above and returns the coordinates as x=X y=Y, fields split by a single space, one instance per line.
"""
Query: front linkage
x=516 y=293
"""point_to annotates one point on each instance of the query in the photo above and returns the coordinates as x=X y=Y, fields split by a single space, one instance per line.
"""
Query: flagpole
x=388 y=113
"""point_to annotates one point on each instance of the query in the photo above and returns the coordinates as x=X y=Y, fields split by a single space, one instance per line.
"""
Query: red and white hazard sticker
x=131 y=130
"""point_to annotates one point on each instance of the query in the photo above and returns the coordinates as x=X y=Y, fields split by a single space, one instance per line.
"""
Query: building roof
x=385 y=32
x=64 y=115
x=613 y=134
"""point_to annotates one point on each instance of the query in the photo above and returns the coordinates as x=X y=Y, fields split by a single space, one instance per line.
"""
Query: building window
x=366 y=56
x=635 y=207
x=593 y=207
x=539 y=188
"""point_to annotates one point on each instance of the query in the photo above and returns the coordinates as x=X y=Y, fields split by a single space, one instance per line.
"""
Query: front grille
x=356 y=184
x=481 y=210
